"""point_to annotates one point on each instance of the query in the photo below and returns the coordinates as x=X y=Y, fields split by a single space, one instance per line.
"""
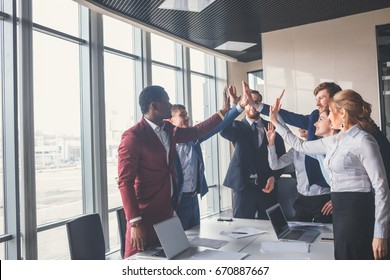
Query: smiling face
x=322 y=100
x=250 y=111
x=323 y=125
x=180 y=118
x=335 y=118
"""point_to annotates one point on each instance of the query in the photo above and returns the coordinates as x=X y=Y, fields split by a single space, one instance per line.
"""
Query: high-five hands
x=274 y=110
x=247 y=96
x=226 y=101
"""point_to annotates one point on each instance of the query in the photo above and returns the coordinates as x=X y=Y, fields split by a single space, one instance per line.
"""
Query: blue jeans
x=188 y=211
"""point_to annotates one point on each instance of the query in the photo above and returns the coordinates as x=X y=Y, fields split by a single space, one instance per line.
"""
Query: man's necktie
x=255 y=134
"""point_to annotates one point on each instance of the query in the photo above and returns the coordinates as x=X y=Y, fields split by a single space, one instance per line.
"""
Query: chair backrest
x=122 y=226
x=287 y=194
x=85 y=238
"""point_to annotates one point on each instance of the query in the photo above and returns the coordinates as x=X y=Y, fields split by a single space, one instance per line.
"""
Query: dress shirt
x=189 y=165
x=259 y=127
x=298 y=159
x=354 y=164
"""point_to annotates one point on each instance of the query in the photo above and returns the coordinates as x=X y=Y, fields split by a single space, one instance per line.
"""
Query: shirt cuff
x=220 y=114
x=136 y=219
x=239 y=109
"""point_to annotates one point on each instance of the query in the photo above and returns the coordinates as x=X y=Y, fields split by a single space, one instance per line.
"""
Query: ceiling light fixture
x=234 y=46
x=186 y=5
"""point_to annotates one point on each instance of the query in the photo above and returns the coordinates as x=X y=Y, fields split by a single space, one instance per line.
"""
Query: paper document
x=205 y=242
x=284 y=247
x=218 y=255
x=243 y=232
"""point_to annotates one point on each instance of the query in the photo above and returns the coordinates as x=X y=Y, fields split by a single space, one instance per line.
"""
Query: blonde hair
x=359 y=111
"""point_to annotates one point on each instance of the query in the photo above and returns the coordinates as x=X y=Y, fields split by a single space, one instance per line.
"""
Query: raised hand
x=226 y=101
x=270 y=133
x=247 y=96
x=274 y=110
x=234 y=99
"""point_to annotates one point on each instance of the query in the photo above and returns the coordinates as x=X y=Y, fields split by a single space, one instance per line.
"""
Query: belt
x=189 y=194
x=254 y=181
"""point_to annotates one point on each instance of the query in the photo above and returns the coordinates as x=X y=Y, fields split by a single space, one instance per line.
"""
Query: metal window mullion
x=10 y=132
x=187 y=81
x=26 y=140
x=98 y=121
x=138 y=72
x=179 y=74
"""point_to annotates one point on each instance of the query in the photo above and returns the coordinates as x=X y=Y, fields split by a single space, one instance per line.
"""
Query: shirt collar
x=258 y=122
x=155 y=127
x=353 y=130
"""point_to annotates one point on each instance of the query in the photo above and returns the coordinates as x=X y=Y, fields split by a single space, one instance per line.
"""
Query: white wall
x=341 y=50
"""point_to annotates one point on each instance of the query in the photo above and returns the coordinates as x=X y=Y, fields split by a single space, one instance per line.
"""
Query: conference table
x=210 y=228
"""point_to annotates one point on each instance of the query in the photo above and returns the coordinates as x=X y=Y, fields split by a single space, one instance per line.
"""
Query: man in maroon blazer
x=146 y=178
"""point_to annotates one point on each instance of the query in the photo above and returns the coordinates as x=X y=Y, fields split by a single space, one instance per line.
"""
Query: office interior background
x=71 y=72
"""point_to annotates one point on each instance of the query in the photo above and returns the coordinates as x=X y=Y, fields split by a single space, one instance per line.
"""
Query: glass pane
x=61 y=15
x=200 y=88
x=166 y=78
x=255 y=81
x=114 y=233
x=163 y=50
x=200 y=61
x=53 y=244
x=119 y=98
x=117 y=34
x=57 y=129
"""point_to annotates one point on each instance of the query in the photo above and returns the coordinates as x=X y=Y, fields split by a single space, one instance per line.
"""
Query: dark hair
x=331 y=88
x=177 y=107
x=149 y=95
x=253 y=91
x=359 y=111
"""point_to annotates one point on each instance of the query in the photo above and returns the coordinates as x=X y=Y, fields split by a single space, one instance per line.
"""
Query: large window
x=120 y=89
x=58 y=164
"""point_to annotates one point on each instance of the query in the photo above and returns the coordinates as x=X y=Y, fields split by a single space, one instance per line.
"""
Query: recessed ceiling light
x=186 y=5
x=234 y=46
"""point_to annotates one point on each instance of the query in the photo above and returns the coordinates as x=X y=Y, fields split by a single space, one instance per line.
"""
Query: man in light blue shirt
x=189 y=165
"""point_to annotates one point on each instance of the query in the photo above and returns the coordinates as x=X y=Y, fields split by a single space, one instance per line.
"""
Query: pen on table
x=239 y=232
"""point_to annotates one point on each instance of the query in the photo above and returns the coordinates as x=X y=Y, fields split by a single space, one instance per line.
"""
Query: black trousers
x=308 y=208
x=353 y=225
x=251 y=202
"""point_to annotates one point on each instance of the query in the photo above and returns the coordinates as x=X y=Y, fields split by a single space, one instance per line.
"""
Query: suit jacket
x=202 y=186
x=313 y=169
x=246 y=155
x=144 y=176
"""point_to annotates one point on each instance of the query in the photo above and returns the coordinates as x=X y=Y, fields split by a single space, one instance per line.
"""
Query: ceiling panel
x=236 y=20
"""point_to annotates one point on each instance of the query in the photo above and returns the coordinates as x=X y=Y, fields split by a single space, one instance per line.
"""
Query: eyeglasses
x=257 y=102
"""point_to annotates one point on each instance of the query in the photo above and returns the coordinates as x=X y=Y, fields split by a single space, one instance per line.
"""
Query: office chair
x=287 y=194
x=85 y=238
x=122 y=226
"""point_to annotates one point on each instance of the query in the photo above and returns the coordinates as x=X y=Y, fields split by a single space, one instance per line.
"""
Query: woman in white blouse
x=359 y=186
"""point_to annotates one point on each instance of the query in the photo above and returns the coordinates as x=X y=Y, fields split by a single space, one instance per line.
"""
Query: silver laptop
x=283 y=230
x=172 y=238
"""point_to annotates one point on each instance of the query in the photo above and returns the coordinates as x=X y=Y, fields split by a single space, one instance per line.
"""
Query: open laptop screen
x=277 y=219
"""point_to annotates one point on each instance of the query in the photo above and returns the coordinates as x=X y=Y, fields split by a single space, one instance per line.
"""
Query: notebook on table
x=172 y=238
x=283 y=230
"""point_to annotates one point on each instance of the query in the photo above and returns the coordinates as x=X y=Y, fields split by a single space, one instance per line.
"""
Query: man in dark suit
x=146 y=178
x=249 y=174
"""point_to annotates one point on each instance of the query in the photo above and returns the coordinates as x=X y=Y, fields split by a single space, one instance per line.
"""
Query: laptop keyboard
x=294 y=234
x=160 y=253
